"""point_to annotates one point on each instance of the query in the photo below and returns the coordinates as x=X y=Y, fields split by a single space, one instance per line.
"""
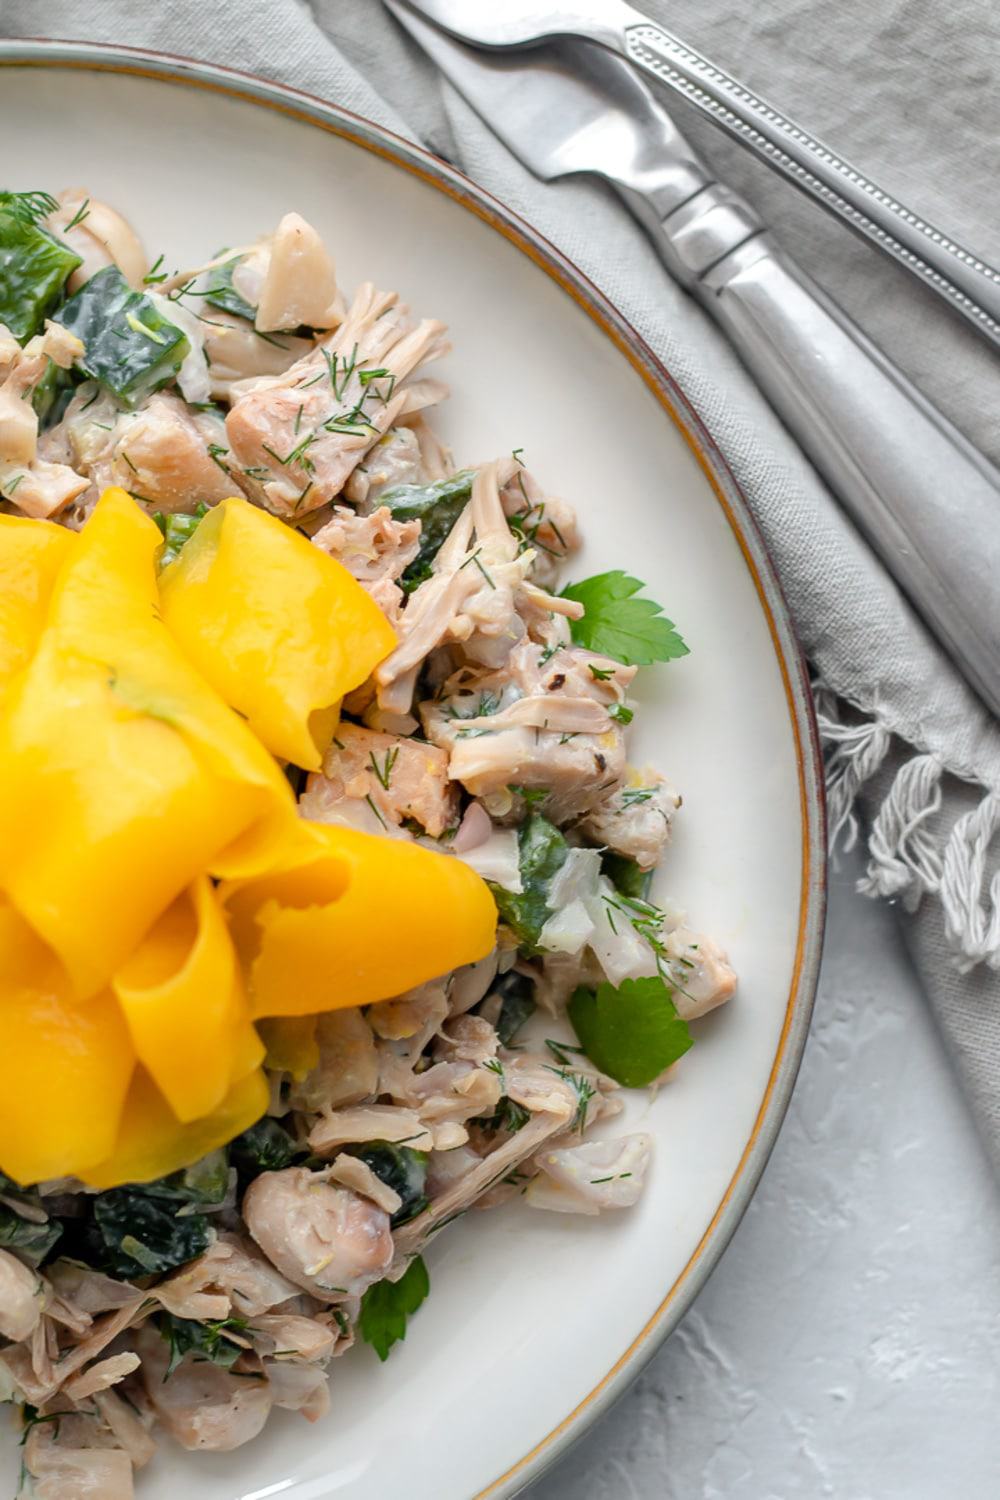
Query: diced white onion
x=621 y=951
x=577 y=877
x=497 y=860
x=192 y=377
x=567 y=930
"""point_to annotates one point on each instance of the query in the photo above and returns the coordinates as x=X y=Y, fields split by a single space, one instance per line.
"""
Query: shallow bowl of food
x=457 y=534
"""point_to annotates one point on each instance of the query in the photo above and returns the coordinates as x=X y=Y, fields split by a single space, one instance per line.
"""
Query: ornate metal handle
x=971 y=286
x=928 y=501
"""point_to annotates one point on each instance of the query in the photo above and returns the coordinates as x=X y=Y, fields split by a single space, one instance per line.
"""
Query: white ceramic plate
x=535 y=1321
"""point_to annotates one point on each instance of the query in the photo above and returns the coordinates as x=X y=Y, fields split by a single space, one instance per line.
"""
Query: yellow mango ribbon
x=65 y=1065
x=151 y=1143
x=182 y=996
x=31 y=554
x=123 y=776
x=345 y=918
x=280 y=630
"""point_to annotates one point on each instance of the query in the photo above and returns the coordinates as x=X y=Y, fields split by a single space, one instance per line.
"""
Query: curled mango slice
x=279 y=629
x=124 y=775
x=183 y=986
x=346 y=918
x=153 y=1143
x=31 y=554
x=65 y=1065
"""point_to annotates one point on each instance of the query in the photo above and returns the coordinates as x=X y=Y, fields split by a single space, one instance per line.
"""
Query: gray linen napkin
x=906 y=89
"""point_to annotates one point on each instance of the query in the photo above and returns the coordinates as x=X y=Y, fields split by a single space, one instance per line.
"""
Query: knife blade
x=927 y=499
x=593 y=128
x=965 y=281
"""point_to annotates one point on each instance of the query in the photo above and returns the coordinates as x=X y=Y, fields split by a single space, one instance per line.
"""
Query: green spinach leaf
x=141 y=1235
x=129 y=347
x=402 y=1169
x=222 y=294
x=542 y=851
x=437 y=507
x=34 y=266
x=265 y=1147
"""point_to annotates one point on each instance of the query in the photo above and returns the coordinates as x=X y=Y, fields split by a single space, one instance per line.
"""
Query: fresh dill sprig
x=383 y=773
x=29 y=207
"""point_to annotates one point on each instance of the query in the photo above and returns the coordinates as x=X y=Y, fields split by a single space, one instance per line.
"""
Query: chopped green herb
x=600 y=674
x=208 y=1341
x=620 y=713
x=387 y=1305
x=83 y=212
x=154 y=275
x=530 y=794
x=371 y=804
x=178 y=527
x=633 y=795
x=28 y=207
x=618 y=624
x=508 y=1115
x=216 y=452
x=585 y=1090
x=632 y=1032
x=561 y=1050
x=526 y=524
x=475 y=559
x=383 y=773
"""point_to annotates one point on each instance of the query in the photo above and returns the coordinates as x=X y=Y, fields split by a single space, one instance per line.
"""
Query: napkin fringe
x=910 y=855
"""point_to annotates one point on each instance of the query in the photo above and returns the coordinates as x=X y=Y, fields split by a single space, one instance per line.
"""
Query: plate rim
x=405 y=154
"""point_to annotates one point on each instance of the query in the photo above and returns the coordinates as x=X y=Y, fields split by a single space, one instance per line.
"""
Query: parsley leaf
x=386 y=1306
x=616 y=623
x=631 y=1033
